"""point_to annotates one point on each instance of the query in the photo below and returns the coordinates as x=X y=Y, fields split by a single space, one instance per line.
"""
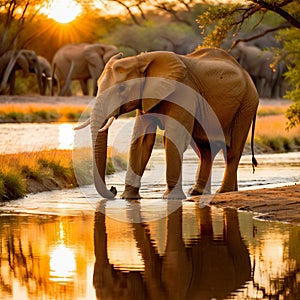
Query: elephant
x=80 y=62
x=168 y=89
x=264 y=42
x=14 y=60
x=207 y=268
x=260 y=65
x=46 y=71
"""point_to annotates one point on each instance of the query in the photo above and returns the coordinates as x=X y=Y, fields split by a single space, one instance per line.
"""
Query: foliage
x=151 y=36
x=217 y=22
x=14 y=16
x=291 y=39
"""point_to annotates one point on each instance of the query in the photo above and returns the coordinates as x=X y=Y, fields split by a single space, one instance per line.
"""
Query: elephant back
x=217 y=74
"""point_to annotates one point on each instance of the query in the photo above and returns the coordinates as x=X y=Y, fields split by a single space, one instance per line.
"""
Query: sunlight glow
x=65 y=136
x=64 y=11
x=62 y=261
x=62 y=264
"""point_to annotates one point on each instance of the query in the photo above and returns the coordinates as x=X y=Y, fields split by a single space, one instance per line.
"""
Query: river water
x=71 y=244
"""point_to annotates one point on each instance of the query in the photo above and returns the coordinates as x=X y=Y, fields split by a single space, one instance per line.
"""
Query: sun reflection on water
x=62 y=261
x=62 y=264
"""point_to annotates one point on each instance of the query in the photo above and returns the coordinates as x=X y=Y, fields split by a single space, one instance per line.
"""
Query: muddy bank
x=275 y=204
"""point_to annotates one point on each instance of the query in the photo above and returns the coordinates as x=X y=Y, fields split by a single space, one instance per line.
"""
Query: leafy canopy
x=218 y=21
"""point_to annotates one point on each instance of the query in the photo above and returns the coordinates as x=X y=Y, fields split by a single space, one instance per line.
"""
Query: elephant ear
x=23 y=63
x=162 y=70
x=109 y=51
x=93 y=59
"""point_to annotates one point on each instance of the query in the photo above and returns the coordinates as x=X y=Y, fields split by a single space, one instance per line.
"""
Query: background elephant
x=14 y=60
x=260 y=64
x=46 y=74
x=156 y=84
x=80 y=62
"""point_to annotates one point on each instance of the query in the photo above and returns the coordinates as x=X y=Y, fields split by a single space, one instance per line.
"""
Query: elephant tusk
x=83 y=125
x=107 y=125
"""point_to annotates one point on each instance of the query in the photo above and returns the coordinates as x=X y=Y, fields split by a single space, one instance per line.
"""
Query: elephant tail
x=254 y=161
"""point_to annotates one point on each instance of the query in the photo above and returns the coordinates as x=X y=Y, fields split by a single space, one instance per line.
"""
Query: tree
x=14 y=15
x=217 y=22
x=180 y=11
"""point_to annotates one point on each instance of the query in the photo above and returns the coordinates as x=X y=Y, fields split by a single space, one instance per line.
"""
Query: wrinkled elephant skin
x=204 y=99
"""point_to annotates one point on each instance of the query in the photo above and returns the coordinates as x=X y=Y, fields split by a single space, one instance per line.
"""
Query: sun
x=64 y=11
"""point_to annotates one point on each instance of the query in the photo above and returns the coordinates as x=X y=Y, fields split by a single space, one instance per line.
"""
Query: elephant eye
x=122 y=88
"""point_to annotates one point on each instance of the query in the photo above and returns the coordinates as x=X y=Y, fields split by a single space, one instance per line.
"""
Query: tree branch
x=278 y=9
x=254 y=37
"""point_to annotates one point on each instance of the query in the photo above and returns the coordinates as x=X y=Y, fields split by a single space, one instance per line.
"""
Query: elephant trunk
x=99 y=142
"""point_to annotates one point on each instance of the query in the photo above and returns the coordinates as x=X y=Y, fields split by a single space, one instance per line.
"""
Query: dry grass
x=268 y=110
x=272 y=132
x=48 y=169
x=275 y=125
x=40 y=112
x=44 y=168
x=15 y=162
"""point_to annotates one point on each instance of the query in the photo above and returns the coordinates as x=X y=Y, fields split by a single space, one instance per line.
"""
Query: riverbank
x=275 y=204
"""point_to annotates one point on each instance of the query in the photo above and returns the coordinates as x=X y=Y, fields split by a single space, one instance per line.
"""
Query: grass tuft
x=271 y=131
x=45 y=170
x=11 y=186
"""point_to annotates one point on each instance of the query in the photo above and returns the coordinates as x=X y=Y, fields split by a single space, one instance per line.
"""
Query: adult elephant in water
x=204 y=98
x=80 y=62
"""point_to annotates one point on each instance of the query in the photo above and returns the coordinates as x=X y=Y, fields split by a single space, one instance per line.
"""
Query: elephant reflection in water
x=206 y=269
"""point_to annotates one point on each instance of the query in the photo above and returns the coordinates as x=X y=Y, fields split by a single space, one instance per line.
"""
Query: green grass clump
x=38 y=113
x=45 y=116
x=11 y=186
x=278 y=143
x=73 y=116
x=59 y=170
x=45 y=170
x=32 y=117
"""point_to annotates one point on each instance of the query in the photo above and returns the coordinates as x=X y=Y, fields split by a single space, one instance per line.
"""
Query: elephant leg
x=12 y=81
x=95 y=87
x=143 y=139
x=229 y=183
x=65 y=90
x=176 y=140
x=84 y=86
x=234 y=152
x=203 y=178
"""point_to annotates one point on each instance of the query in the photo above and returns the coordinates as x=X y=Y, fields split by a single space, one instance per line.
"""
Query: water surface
x=191 y=253
x=71 y=244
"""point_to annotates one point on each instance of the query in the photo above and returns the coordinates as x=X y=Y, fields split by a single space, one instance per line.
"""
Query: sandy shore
x=277 y=204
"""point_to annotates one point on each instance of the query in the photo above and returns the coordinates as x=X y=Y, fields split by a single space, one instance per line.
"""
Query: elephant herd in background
x=71 y=62
x=267 y=75
x=86 y=61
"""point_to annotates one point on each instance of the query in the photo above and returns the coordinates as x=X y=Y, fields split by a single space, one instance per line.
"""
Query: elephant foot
x=174 y=193
x=130 y=192
x=225 y=190
x=197 y=190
